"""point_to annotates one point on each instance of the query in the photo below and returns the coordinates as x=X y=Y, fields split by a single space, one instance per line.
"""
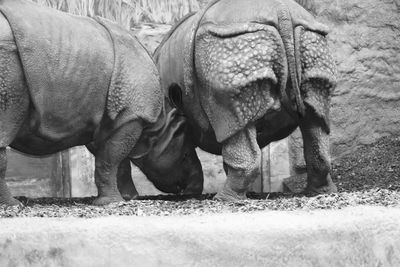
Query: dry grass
x=127 y=12
x=130 y=12
x=52 y=207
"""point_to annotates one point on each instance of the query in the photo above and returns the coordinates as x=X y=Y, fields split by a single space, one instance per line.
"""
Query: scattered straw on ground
x=203 y=205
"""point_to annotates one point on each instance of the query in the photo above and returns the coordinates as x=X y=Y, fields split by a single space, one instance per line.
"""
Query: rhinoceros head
x=172 y=164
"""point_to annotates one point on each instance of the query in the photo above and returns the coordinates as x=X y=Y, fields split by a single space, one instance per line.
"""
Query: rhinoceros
x=248 y=72
x=67 y=80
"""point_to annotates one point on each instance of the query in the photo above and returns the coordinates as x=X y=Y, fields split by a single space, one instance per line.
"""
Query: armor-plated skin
x=248 y=72
x=67 y=80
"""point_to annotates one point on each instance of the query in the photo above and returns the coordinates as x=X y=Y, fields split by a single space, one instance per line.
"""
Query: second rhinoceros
x=248 y=72
x=67 y=80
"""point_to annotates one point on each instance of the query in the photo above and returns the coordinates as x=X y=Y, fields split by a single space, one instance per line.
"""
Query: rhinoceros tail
x=286 y=31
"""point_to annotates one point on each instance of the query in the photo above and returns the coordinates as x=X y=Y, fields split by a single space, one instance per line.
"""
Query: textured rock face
x=366 y=46
x=365 y=42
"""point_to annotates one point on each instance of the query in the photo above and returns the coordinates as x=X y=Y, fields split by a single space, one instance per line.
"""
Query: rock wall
x=365 y=42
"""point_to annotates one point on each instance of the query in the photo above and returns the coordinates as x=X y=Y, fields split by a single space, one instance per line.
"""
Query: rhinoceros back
x=261 y=11
x=67 y=62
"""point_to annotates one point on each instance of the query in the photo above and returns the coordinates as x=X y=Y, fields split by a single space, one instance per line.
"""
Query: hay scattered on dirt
x=370 y=176
x=203 y=205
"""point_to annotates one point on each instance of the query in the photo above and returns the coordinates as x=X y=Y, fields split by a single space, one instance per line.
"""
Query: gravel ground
x=369 y=176
x=371 y=166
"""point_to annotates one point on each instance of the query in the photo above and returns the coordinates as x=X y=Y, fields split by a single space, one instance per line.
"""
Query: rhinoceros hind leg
x=124 y=181
x=316 y=154
x=108 y=156
x=241 y=155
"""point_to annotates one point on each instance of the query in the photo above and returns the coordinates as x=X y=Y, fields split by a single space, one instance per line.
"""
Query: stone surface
x=356 y=236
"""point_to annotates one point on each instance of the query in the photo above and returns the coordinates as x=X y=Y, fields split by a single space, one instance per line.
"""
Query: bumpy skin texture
x=234 y=73
x=251 y=72
x=67 y=80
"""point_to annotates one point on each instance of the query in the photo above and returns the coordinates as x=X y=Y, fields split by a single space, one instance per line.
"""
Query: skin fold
x=245 y=73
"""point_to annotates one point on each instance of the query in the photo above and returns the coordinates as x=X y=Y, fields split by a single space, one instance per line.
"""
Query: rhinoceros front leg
x=241 y=155
x=124 y=181
x=108 y=157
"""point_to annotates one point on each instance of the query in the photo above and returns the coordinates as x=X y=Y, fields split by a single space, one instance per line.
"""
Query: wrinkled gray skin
x=68 y=83
x=246 y=73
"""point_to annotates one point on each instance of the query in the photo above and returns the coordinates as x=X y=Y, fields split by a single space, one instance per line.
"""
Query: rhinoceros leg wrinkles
x=124 y=181
x=316 y=154
x=108 y=157
x=5 y=194
x=241 y=155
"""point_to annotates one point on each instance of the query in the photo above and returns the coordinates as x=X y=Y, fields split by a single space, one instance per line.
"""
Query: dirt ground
x=369 y=176
x=371 y=166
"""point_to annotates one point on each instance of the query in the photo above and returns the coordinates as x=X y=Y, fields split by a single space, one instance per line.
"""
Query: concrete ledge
x=356 y=236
